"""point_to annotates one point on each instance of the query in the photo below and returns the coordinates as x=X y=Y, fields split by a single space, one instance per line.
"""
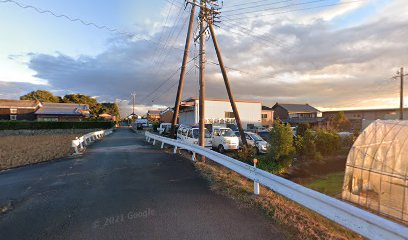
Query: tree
x=94 y=106
x=42 y=96
x=110 y=108
x=341 y=122
x=282 y=150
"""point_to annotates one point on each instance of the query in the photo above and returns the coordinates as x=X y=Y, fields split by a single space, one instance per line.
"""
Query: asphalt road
x=122 y=188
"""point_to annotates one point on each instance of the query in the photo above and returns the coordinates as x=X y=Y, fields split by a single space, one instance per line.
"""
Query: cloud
x=304 y=61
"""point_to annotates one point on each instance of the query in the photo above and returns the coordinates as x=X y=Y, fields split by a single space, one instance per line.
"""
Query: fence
x=358 y=220
x=79 y=143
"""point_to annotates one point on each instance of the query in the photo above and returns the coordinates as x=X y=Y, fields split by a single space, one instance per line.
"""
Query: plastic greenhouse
x=376 y=171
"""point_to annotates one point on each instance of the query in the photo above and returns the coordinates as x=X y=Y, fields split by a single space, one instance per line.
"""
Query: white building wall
x=250 y=112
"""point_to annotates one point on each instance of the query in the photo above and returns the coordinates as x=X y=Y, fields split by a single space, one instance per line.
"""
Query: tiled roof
x=63 y=109
x=296 y=108
x=6 y=103
x=266 y=108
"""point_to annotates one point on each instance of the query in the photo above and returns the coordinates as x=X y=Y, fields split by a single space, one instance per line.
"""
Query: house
x=267 y=116
x=295 y=114
x=361 y=118
x=18 y=109
x=107 y=117
x=62 y=112
x=219 y=112
x=153 y=115
x=166 y=116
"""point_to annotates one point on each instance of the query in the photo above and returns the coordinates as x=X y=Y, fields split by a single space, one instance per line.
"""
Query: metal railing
x=79 y=143
x=353 y=218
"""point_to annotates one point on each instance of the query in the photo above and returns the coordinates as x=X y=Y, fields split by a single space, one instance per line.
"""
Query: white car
x=224 y=139
x=256 y=141
x=189 y=134
x=164 y=128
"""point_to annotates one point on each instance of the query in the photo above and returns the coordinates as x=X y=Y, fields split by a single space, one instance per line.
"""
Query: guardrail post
x=256 y=184
x=193 y=157
x=154 y=142
x=175 y=150
x=162 y=145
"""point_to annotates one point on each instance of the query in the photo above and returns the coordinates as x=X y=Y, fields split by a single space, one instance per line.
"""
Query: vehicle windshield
x=256 y=137
x=264 y=134
x=226 y=132
x=196 y=133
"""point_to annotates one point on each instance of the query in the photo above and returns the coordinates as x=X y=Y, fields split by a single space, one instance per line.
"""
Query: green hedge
x=34 y=125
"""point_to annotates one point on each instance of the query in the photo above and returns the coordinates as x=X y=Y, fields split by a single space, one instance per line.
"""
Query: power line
x=256 y=6
x=81 y=21
x=297 y=10
x=275 y=8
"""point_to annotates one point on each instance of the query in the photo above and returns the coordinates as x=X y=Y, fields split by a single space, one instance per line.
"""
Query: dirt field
x=22 y=150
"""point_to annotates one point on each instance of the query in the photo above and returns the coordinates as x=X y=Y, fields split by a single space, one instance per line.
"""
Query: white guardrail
x=358 y=220
x=79 y=143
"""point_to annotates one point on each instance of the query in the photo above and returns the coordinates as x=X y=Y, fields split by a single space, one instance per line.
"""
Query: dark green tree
x=110 y=108
x=282 y=150
x=341 y=122
x=83 y=99
x=42 y=96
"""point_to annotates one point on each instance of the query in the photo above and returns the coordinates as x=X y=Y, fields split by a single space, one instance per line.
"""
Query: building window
x=229 y=115
x=264 y=115
x=13 y=110
x=13 y=117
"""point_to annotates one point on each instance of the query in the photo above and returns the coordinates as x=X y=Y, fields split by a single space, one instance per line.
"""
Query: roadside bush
x=327 y=142
x=302 y=128
x=282 y=150
x=36 y=125
x=246 y=154
x=306 y=145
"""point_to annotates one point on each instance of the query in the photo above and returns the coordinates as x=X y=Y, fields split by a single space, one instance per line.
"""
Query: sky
x=332 y=54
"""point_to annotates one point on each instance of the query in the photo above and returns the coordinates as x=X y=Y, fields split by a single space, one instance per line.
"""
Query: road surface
x=122 y=188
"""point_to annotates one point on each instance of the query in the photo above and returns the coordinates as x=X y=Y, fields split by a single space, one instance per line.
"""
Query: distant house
x=18 y=109
x=166 y=116
x=267 y=116
x=153 y=115
x=62 y=112
x=107 y=117
x=361 y=118
x=295 y=114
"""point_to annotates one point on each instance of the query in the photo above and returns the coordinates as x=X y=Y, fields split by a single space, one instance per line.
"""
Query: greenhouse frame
x=376 y=170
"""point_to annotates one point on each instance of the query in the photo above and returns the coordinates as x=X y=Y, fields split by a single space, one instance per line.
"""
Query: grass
x=23 y=150
x=330 y=184
x=297 y=221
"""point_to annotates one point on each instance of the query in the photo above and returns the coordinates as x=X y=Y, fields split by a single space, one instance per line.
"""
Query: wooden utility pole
x=203 y=16
x=227 y=85
x=183 y=72
x=402 y=94
x=134 y=103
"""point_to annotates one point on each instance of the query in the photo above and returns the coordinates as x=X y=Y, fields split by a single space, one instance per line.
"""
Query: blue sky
x=324 y=48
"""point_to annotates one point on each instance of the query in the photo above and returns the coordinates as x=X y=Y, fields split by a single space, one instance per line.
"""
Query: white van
x=224 y=139
x=189 y=134
x=164 y=128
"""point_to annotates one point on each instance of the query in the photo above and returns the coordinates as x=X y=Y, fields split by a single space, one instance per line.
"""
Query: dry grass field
x=22 y=150
x=301 y=222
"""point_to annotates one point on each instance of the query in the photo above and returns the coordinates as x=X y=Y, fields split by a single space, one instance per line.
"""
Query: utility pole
x=227 y=85
x=183 y=72
x=202 y=19
x=402 y=94
x=401 y=75
x=134 y=102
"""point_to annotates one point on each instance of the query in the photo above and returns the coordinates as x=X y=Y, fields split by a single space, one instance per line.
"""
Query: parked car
x=164 y=128
x=254 y=140
x=224 y=139
x=190 y=135
x=265 y=135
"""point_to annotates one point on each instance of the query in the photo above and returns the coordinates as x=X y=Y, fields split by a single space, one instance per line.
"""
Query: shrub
x=306 y=145
x=36 y=125
x=246 y=154
x=282 y=150
x=327 y=142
